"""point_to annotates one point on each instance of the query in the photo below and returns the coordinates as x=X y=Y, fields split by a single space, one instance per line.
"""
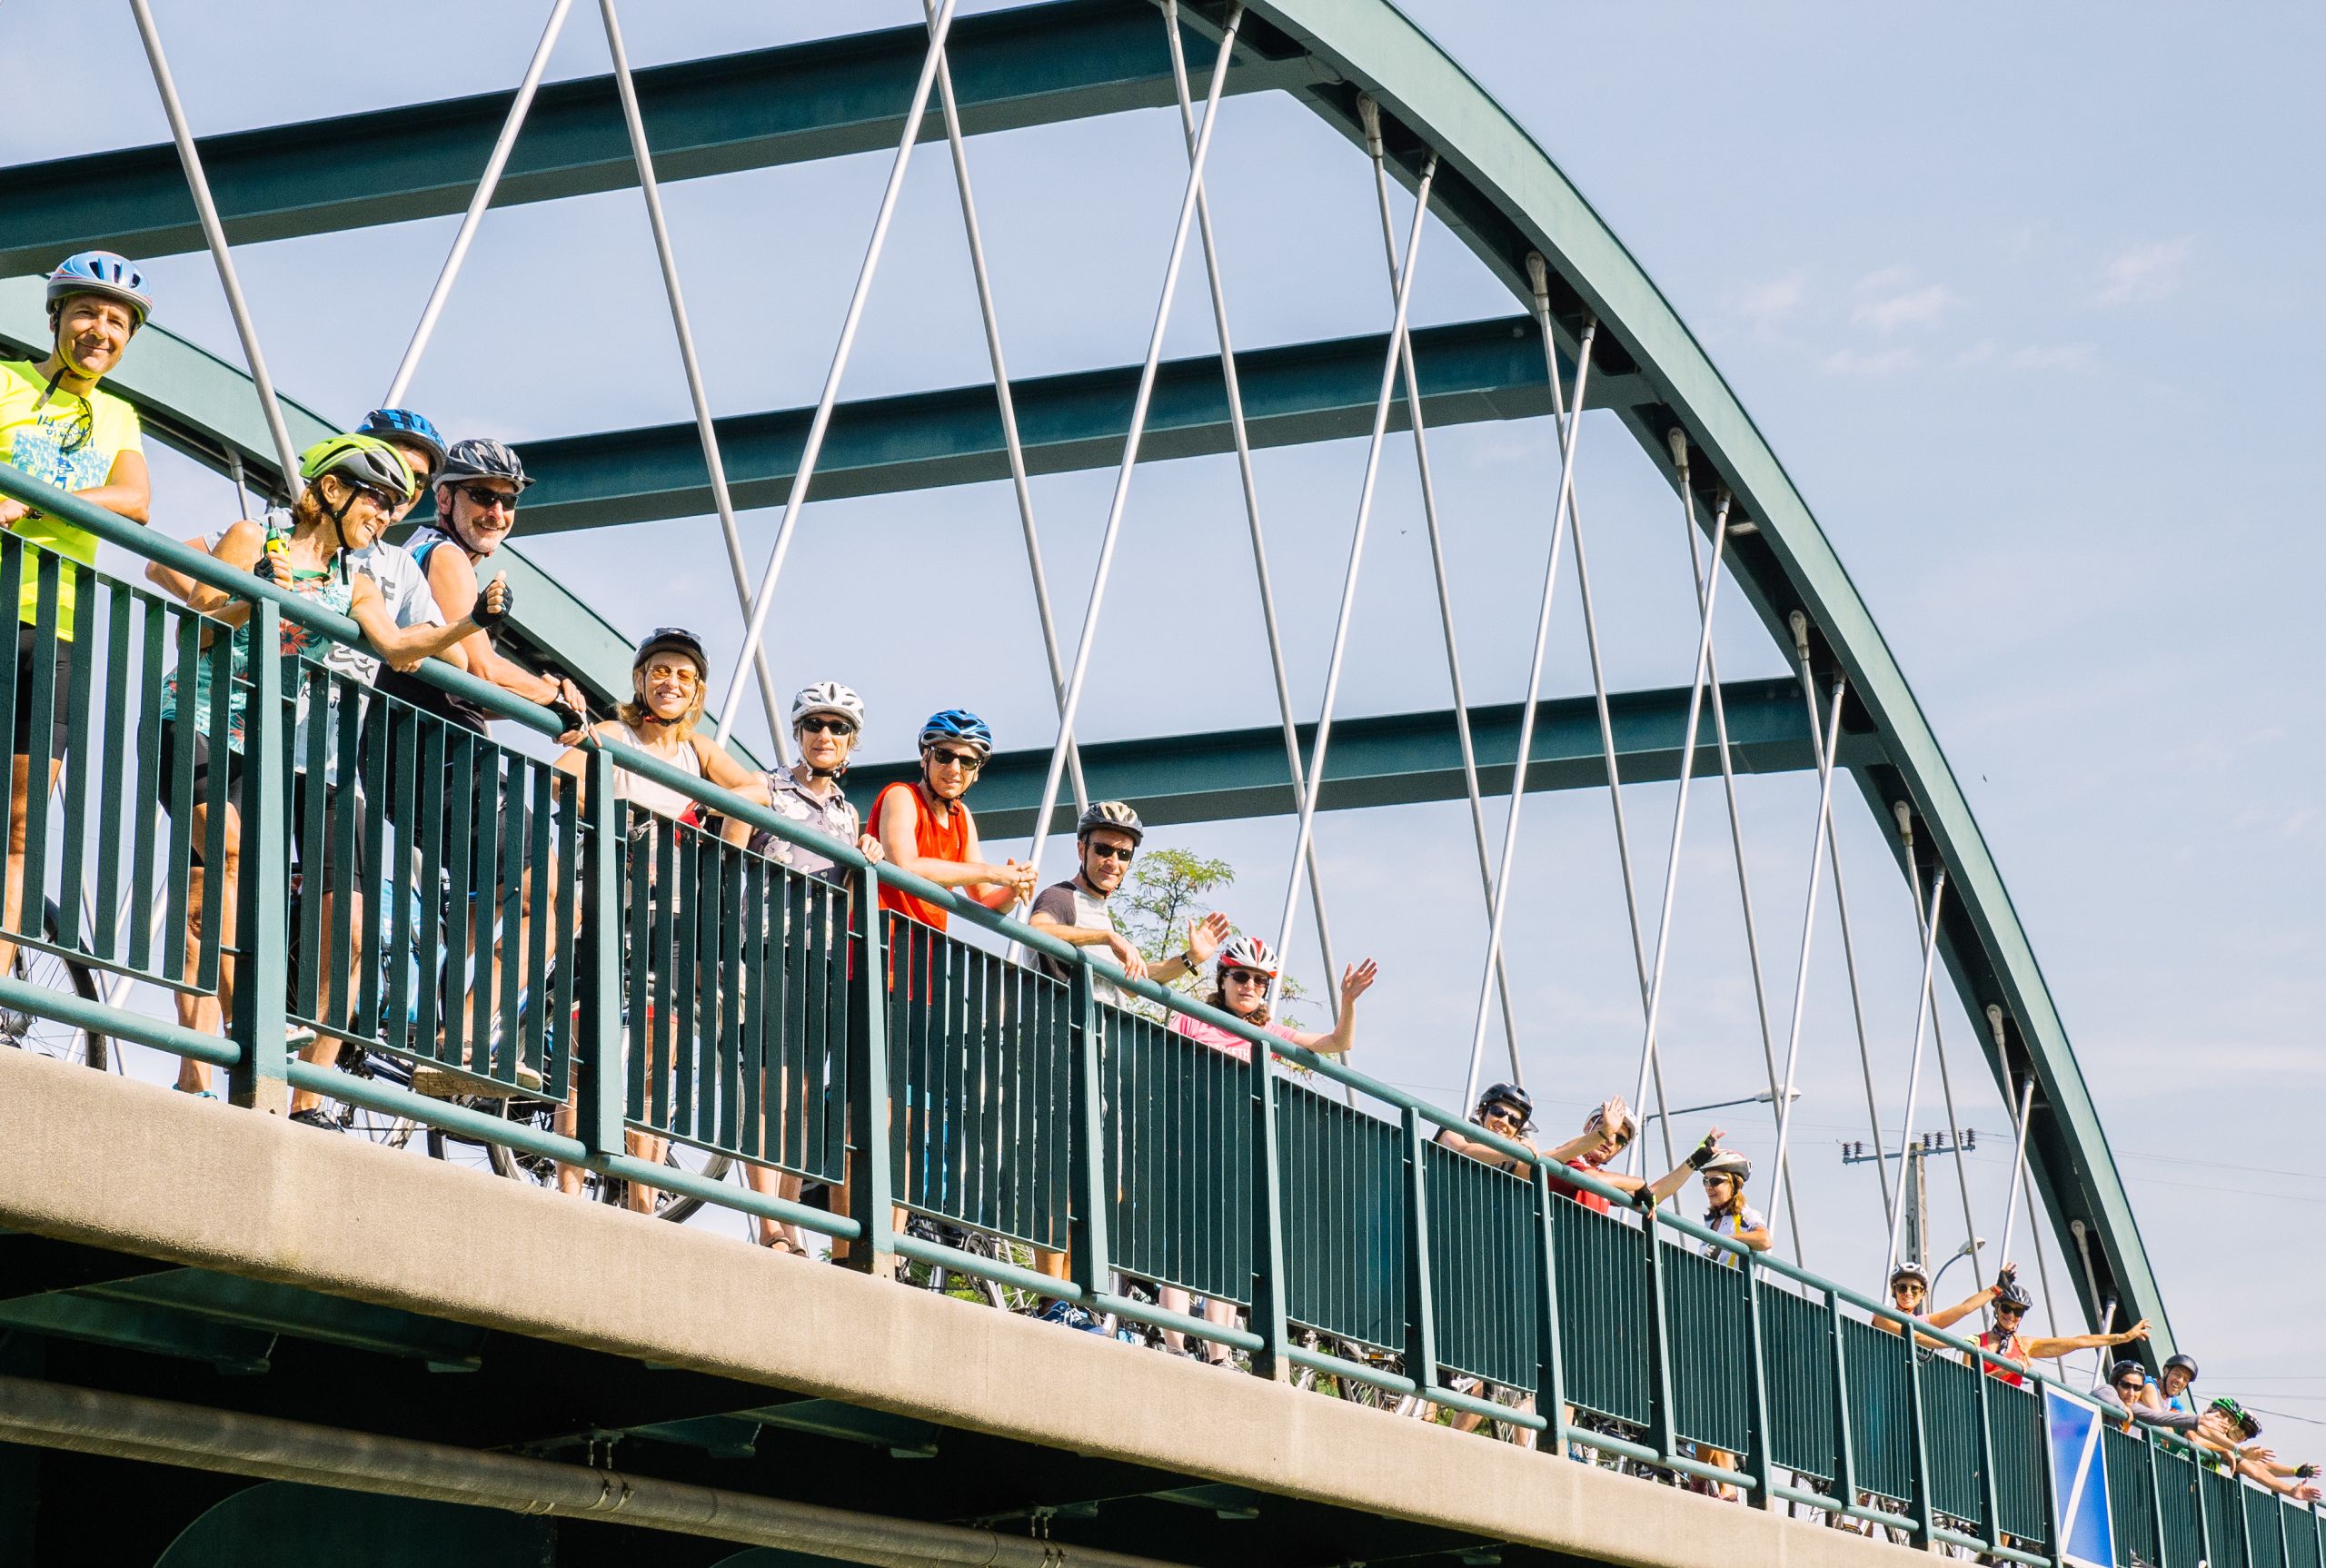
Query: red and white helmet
x=1249 y=953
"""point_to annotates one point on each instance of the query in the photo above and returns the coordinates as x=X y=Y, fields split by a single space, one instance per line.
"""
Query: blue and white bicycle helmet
x=402 y=425
x=960 y=725
x=106 y=273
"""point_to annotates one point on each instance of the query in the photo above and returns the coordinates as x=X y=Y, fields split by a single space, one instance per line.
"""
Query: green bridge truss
x=1077 y=58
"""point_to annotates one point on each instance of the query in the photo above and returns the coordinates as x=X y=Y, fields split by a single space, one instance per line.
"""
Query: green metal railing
x=524 y=926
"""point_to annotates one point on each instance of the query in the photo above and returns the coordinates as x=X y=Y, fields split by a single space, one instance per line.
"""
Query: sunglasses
x=485 y=498
x=967 y=761
x=1113 y=852
x=1499 y=1114
x=1243 y=976
x=76 y=432
x=840 y=726
x=683 y=674
x=2132 y=1385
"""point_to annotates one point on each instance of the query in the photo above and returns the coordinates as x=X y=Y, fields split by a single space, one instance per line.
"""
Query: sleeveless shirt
x=931 y=840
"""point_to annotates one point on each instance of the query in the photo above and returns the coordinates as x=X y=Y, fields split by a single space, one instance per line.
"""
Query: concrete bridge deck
x=419 y=1300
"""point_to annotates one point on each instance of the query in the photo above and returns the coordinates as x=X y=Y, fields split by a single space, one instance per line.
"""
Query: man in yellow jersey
x=59 y=426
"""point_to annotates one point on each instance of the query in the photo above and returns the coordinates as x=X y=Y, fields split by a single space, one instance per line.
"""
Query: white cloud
x=1765 y=305
x=1851 y=362
x=2145 y=274
x=2052 y=357
x=1886 y=307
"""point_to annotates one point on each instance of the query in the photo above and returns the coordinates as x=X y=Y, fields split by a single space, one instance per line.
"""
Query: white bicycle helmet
x=828 y=697
x=1627 y=1126
x=1728 y=1162
x=1249 y=953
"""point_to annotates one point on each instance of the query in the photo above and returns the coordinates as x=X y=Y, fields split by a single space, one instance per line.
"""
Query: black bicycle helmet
x=2124 y=1369
x=664 y=639
x=482 y=458
x=1510 y=1094
x=2012 y=1295
x=1910 y=1270
x=2187 y=1363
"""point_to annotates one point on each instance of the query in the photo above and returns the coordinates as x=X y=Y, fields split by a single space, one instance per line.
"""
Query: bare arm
x=128 y=489
x=1487 y=1154
x=896 y=832
x=177 y=584
x=1676 y=1178
x=406 y=647
x=452 y=578
x=1947 y=1317
x=2045 y=1349
x=1356 y=980
x=729 y=774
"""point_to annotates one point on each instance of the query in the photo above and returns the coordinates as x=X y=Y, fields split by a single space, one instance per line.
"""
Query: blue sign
x=2071 y=1432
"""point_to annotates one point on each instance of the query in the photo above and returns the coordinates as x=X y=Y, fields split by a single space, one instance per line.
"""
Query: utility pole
x=1914 y=1192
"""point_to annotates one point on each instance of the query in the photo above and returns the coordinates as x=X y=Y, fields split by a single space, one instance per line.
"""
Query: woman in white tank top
x=667 y=678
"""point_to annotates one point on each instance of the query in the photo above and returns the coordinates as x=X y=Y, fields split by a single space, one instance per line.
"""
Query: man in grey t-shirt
x=1075 y=910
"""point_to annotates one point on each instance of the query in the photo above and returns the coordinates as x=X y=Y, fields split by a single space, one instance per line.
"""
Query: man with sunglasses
x=477 y=489
x=926 y=829
x=60 y=427
x=1075 y=911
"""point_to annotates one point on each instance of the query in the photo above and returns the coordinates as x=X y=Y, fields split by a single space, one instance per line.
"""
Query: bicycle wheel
x=48 y=1036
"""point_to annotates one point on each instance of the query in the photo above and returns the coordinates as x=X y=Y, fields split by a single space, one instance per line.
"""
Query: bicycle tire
x=55 y=972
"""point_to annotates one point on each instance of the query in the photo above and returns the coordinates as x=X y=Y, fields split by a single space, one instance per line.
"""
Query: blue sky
x=2026 y=305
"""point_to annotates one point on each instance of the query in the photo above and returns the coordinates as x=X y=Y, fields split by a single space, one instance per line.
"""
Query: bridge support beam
x=1396 y=760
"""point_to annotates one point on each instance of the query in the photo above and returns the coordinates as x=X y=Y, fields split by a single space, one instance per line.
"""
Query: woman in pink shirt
x=1247 y=966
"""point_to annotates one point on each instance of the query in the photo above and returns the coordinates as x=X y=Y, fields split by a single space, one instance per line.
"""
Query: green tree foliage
x=1166 y=889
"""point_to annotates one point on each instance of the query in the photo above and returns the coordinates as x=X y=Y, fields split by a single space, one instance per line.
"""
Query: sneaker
x=1072 y=1316
x=314 y=1117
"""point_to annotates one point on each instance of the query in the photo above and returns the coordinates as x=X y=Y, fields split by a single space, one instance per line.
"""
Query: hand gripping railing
x=1364 y=1253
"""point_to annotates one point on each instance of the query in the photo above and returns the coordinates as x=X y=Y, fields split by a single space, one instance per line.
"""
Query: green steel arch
x=1510 y=198
x=1068 y=59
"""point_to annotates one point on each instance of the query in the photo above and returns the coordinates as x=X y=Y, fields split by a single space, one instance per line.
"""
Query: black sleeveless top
x=411 y=688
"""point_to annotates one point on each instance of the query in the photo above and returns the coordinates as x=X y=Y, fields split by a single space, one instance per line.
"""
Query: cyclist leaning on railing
x=1909 y=1294
x=58 y=425
x=827 y=720
x=1074 y=910
x=1724 y=1173
x=1507 y=1111
x=1247 y=967
x=2014 y=1352
x=353 y=484
x=667 y=676
x=477 y=486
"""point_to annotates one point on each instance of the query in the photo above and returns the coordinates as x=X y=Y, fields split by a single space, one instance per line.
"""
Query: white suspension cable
x=1914 y=1061
x=1370 y=112
x=1614 y=802
x=1647 y=1052
x=1139 y=406
x=2018 y=1119
x=1232 y=385
x=1348 y=582
x=2022 y=1181
x=821 y=422
x=487 y=182
x=1008 y=406
x=214 y=234
x=706 y=432
x=1744 y=882
x=1826 y=772
x=1800 y=628
x=1562 y=507
x=1905 y=816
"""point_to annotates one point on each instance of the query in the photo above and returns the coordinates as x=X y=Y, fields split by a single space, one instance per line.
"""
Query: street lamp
x=1965 y=1250
x=1762 y=1098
